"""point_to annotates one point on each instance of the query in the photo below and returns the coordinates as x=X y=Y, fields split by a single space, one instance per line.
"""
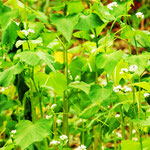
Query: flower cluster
x=146 y=95
x=139 y=15
x=82 y=147
x=54 y=142
x=48 y=116
x=53 y=106
x=12 y=133
x=131 y=69
x=111 y=5
x=26 y=32
x=63 y=138
x=120 y=88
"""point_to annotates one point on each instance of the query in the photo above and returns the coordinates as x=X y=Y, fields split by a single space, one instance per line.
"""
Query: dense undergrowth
x=66 y=84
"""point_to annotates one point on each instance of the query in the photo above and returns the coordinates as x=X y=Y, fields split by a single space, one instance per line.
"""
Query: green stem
x=139 y=102
x=55 y=119
x=130 y=129
x=65 y=101
x=140 y=138
x=96 y=38
x=115 y=142
x=83 y=132
x=100 y=137
x=122 y=123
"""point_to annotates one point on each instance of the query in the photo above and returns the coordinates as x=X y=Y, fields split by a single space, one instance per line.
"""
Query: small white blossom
x=47 y=116
x=111 y=5
x=117 y=115
x=146 y=94
x=54 y=142
x=92 y=36
x=124 y=70
x=13 y=131
x=53 y=106
x=139 y=15
x=82 y=147
x=133 y=68
x=64 y=137
x=135 y=139
x=133 y=131
x=2 y=89
x=93 y=50
x=119 y=135
x=31 y=31
x=59 y=121
x=26 y=32
x=127 y=89
x=117 y=88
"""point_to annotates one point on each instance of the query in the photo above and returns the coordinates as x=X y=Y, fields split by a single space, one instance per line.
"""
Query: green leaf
x=139 y=60
x=65 y=24
x=48 y=37
x=80 y=85
x=75 y=7
x=10 y=33
x=88 y=22
x=82 y=34
x=33 y=58
x=130 y=145
x=138 y=38
x=56 y=81
x=6 y=15
x=144 y=85
x=48 y=59
x=108 y=61
x=98 y=93
x=29 y=57
x=142 y=123
x=89 y=111
x=113 y=124
x=28 y=132
x=7 y=75
x=77 y=65
x=103 y=12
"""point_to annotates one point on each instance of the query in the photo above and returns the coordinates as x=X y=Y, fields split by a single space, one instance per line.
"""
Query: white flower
x=135 y=139
x=26 y=32
x=117 y=115
x=93 y=50
x=64 y=137
x=119 y=135
x=133 y=131
x=117 y=88
x=139 y=15
x=92 y=36
x=59 y=121
x=127 y=89
x=2 y=89
x=54 y=142
x=124 y=70
x=31 y=31
x=146 y=94
x=82 y=147
x=47 y=116
x=53 y=106
x=111 y=5
x=133 y=68
x=13 y=131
